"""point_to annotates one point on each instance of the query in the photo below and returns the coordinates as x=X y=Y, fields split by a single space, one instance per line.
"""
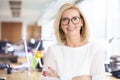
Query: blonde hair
x=60 y=36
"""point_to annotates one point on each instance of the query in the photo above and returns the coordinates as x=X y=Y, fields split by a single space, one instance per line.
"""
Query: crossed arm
x=53 y=73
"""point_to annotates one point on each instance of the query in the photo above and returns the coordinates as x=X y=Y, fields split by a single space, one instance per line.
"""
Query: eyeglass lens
x=74 y=20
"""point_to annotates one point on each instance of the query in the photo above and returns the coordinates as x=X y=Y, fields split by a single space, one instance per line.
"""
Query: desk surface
x=34 y=75
x=112 y=78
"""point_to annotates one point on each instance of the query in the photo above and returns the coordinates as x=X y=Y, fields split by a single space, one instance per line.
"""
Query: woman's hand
x=86 y=77
x=50 y=73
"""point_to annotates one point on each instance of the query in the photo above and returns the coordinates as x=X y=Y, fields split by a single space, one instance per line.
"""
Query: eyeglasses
x=74 y=20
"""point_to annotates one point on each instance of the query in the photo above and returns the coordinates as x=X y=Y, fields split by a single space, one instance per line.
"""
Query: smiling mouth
x=71 y=29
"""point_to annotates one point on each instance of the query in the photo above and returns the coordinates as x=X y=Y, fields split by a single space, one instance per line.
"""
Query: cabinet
x=33 y=31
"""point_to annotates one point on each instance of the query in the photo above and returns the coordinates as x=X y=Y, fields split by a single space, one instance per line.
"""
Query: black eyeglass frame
x=70 y=20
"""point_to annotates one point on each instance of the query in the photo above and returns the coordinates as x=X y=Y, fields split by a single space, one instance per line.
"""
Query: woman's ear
x=81 y=22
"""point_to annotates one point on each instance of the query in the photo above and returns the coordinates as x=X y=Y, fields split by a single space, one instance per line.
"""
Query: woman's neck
x=74 y=42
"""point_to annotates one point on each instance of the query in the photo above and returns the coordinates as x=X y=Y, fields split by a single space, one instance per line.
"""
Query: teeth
x=70 y=28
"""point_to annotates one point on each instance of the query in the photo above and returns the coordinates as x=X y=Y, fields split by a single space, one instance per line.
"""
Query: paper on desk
x=21 y=67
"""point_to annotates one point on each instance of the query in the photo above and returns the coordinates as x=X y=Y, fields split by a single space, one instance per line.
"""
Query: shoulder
x=97 y=48
x=56 y=45
x=54 y=49
x=97 y=51
x=97 y=45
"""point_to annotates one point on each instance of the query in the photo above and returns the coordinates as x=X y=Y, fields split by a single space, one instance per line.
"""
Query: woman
x=74 y=57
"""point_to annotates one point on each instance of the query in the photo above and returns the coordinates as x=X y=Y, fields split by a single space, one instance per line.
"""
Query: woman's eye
x=74 y=18
x=65 y=19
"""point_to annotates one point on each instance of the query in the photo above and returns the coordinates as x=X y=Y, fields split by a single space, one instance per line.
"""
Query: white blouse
x=70 y=62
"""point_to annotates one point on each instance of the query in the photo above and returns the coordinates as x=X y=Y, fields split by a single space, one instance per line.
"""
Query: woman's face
x=71 y=22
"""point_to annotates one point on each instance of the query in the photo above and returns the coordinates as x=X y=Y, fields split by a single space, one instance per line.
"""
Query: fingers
x=53 y=72
x=50 y=73
x=47 y=74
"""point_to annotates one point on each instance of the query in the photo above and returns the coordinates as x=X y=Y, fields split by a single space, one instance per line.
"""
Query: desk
x=8 y=58
x=112 y=78
x=34 y=75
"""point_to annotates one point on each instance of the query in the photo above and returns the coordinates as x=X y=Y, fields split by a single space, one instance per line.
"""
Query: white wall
x=104 y=21
x=94 y=11
x=47 y=34
x=113 y=26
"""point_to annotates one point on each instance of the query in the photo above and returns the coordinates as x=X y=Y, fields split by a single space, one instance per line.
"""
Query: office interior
x=30 y=22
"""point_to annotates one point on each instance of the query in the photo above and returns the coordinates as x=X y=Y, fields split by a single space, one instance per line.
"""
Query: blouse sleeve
x=53 y=59
x=49 y=61
x=97 y=63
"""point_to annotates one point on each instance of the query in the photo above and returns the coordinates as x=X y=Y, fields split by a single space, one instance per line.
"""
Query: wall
x=11 y=31
x=104 y=21
x=33 y=31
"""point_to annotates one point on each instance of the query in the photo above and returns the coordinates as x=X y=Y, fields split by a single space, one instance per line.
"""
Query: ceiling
x=30 y=11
